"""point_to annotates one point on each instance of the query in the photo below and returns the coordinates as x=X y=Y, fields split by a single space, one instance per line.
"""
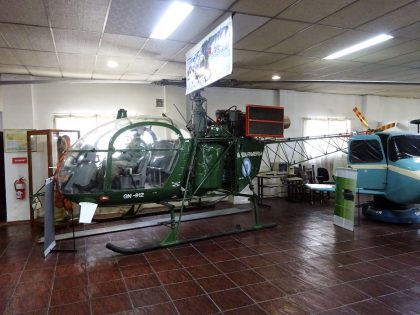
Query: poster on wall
x=345 y=192
x=211 y=59
x=15 y=140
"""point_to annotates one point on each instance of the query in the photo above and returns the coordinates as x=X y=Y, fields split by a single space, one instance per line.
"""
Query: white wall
x=383 y=110
x=299 y=105
x=17 y=114
x=106 y=99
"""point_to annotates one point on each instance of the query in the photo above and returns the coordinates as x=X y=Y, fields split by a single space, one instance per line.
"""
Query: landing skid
x=138 y=250
x=403 y=216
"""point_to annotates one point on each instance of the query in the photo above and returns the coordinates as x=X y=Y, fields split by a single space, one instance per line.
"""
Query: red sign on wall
x=19 y=160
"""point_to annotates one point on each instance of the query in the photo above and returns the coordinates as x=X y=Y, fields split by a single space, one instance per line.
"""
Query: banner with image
x=211 y=59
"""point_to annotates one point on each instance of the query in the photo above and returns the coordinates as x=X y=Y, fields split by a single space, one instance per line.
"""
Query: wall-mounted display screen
x=211 y=59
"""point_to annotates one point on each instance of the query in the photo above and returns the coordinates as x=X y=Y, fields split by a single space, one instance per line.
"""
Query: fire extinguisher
x=20 y=188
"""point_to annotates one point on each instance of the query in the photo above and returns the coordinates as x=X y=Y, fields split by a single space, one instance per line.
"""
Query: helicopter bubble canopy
x=127 y=153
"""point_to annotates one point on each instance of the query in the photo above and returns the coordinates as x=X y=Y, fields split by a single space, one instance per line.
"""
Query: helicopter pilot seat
x=84 y=179
x=162 y=162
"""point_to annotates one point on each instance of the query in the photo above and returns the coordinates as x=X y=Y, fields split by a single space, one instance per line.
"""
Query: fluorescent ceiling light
x=367 y=43
x=171 y=19
x=276 y=77
x=112 y=64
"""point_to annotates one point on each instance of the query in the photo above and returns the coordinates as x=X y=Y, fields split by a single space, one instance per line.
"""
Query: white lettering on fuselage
x=135 y=195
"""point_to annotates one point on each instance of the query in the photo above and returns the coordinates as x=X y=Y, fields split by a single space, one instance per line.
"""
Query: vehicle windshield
x=404 y=147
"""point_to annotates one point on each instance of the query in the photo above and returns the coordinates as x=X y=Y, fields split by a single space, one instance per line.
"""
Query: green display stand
x=345 y=193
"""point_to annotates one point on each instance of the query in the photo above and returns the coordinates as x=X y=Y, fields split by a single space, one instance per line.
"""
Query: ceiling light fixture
x=171 y=19
x=112 y=64
x=365 y=44
x=276 y=77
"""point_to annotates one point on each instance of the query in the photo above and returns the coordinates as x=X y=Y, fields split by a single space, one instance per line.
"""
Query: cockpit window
x=143 y=157
x=403 y=147
x=365 y=151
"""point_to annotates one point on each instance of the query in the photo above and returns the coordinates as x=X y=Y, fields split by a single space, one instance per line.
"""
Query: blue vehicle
x=388 y=167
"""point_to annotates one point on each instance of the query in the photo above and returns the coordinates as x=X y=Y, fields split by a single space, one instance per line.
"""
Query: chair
x=323 y=176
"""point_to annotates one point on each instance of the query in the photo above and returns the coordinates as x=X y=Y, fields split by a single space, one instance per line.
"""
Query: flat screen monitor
x=211 y=59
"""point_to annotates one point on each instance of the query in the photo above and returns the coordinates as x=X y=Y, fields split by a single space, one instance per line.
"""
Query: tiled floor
x=305 y=265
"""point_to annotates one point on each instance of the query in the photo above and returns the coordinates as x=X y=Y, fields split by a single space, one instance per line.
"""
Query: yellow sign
x=15 y=140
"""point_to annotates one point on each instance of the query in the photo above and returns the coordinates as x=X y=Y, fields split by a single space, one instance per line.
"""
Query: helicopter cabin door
x=367 y=156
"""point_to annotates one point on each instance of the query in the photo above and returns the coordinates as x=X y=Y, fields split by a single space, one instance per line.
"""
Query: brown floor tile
x=389 y=264
x=173 y=276
x=111 y=304
x=230 y=299
x=193 y=260
x=69 y=296
x=315 y=301
x=37 y=275
x=132 y=260
x=231 y=265
x=142 y=282
x=279 y=257
x=158 y=255
x=198 y=305
x=292 y=285
x=345 y=293
x=107 y=288
x=401 y=302
x=407 y=259
x=8 y=279
x=365 y=254
x=344 y=274
x=372 y=287
x=69 y=282
x=245 y=277
x=164 y=265
x=386 y=251
x=319 y=280
x=394 y=280
x=282 y=306
x=256 y=261
x=344 y=259
x=81 y=308
x=70 y=270
x=183 y=251
x=136 y=270
x=104 y=275
x=26 y=288
x=367 y=269
x=247 y=310
x=183 y=290
x=242 y=252
x=272 y=272
x=230 y=244
x=29 y=303
x=203 y=271
x=220 y=255
x=158 y=309
x=264 y=291
x=372 y=307
x=216 y=283
x=149 y=296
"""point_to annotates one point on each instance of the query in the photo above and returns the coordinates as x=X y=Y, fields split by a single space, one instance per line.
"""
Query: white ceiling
x=76 y=38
